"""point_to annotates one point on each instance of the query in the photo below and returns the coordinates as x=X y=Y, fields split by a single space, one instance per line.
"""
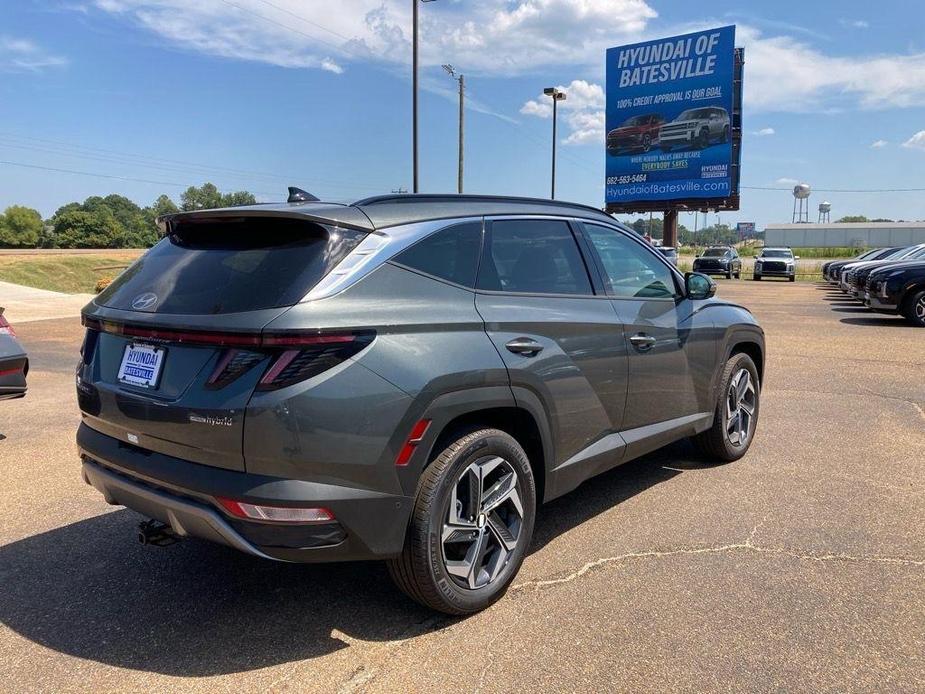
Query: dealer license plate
x=141 y=365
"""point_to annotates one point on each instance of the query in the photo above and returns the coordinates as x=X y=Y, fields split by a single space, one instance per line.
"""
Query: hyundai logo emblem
x=143 y=302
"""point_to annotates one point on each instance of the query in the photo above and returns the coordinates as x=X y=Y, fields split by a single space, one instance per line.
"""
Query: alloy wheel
x=483 y=522
x=920 y=309
x=740 y=408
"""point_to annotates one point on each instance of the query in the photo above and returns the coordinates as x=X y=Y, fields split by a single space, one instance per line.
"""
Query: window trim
x=570 y=223
x=634 y=238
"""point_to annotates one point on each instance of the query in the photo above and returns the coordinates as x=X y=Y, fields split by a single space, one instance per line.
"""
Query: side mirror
x=699 y=286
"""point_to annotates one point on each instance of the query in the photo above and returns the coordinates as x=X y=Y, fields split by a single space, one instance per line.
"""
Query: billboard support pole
x=670 y=229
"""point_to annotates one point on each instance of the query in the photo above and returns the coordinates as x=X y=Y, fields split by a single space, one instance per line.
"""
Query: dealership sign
x=673 y=122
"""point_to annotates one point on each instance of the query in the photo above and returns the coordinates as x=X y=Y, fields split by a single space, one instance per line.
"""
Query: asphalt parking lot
x=799 y=568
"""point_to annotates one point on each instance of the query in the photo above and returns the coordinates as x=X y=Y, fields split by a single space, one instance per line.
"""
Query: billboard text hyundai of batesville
x=686 y=85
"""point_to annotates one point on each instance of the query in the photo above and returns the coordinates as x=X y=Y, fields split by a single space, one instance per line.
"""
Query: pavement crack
x=867 y=392
x=747 y=546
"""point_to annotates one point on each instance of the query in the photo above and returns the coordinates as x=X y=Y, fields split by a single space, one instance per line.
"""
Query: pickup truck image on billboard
x=669 y=123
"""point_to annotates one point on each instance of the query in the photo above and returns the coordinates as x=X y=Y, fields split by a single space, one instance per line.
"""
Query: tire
x=739 y=275
x=725 y=135
x=729 y=275
x=757 y=278
x=792 y=278
x=423 y=570
x=716 y=443
x=646 y=142
x=914 y=309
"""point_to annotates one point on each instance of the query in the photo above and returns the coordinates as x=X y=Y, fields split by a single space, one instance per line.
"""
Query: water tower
x=801 y=193
x=824 y=208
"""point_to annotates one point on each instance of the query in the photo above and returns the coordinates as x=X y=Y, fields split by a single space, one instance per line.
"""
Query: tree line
x=112 y=221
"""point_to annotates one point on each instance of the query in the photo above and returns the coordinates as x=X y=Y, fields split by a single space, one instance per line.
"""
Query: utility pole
x=451 y=71
x=557 y=96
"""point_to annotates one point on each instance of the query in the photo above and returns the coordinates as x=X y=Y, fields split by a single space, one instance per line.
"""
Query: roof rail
x=450 y=197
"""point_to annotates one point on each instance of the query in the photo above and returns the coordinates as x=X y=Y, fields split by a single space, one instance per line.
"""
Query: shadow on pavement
x=850 y=309
x=196 y=609
x=880 y=322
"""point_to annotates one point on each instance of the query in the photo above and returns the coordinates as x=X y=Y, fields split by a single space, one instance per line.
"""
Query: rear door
x=174 y=350
x=558 y=338
x=670 y=346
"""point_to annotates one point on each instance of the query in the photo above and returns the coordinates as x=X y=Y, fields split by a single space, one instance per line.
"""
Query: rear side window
x=532 y=256
x=229 y=265
x=451 y=254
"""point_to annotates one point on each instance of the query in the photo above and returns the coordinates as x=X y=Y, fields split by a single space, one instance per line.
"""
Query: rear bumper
x=369 y=524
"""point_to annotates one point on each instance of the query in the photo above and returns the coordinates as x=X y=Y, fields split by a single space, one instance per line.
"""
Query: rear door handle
x=524 y=346
x=642 y=342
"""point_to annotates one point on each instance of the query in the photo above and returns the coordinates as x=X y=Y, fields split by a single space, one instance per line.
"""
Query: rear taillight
x=88 y=347
x=232 y=364
x=277 y=514
x=6 y=328
x=309 y=355
x=294 y=356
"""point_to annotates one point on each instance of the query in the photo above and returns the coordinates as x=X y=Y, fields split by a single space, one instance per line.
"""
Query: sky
x=143 y=97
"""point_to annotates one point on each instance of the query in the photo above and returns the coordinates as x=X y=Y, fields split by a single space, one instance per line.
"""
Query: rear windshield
x=776 y=254
x=714 y=253
x=228 y=265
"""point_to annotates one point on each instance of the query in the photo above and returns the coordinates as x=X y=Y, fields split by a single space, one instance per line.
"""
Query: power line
x=842 y=190
x=61 y=147
x=100 y=175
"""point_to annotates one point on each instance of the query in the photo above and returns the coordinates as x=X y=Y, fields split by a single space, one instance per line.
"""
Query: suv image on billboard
x=637 y=134
x=695 y=128
x=404 y=378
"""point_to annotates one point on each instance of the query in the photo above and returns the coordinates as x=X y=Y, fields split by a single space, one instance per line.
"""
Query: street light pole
x=451 y=71
x=414 y=92
x=414 y=97
x=557 y=96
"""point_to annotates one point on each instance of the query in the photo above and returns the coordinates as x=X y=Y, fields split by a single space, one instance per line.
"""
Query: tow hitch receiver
x=157 y=534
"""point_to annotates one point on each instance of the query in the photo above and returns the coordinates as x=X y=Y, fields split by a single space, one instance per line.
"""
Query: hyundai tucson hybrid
x=403 y=378
x=898 y=289
x=719 y=260
x=856 y=278
x=14 y=363
x=832 y=269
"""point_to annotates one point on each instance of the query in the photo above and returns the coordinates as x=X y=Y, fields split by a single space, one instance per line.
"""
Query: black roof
x=389 y=210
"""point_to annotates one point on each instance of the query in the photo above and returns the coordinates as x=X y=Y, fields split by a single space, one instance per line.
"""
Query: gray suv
x=403 y=378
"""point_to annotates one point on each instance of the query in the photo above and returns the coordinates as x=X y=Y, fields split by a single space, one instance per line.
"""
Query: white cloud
x=582 y=110
x=917 y=141
x=331 y=66
x=854 y=23
x=485 y=37
x=785 y=74
x=23 y=55
x=764 y=132
x=877 y=144
x=787 y=181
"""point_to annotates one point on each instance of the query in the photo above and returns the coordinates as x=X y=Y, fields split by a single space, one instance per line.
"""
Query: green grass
x=71 y=274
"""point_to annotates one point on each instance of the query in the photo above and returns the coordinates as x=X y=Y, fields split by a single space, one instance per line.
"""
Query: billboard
x=745 y=229
x=673 y=123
